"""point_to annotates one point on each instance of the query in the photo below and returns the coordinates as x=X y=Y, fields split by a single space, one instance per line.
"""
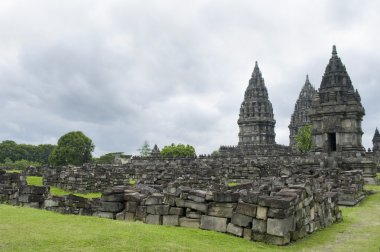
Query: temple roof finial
x=334 y=52
x=307 y=78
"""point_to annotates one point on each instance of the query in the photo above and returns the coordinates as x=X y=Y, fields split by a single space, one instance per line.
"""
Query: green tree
x=106 y=158
x=304 y=139
x=145 y=149
x=179 y=150
x=73 y=148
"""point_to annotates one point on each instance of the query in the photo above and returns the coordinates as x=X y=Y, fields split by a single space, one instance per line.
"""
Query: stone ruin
x=279 y=196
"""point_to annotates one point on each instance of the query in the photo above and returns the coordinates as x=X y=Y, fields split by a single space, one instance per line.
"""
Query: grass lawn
x=26 y=229
x=34 y=180
x=18 y=171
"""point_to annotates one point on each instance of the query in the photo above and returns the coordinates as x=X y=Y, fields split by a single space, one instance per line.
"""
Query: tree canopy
x=304 y=139
x=73 y=148
x=179 y=150
x=145 y=149
x=16 y=152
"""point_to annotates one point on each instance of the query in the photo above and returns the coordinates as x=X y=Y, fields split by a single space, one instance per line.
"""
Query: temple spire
x=307 y=79
x=334 y=52
x=256 y=69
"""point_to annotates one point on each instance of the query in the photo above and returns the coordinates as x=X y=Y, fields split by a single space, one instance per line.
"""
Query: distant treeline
x=10 y=150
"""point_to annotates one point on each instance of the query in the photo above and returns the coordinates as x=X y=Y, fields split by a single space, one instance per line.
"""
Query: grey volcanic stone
x=154 y=219
x=187 y=222
x=214 y=223
x=170 y=220
x=235 y=230
x=241 y=220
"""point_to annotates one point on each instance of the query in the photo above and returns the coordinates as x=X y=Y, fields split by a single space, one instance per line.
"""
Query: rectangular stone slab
x=214 y=223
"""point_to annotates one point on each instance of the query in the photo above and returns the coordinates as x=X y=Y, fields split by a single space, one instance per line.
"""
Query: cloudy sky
x=172 y=71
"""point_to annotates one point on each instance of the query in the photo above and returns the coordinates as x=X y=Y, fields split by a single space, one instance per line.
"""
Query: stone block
x=250 y=197
x=193 y=215
x=202 y=207
x=259 y=226
x=134 y=196
x=120 y=216
x=214 y=223
x=158 y=209
x=176 y=211
x=246 y=209
x=170 y=220
x=51 y=203
x=261 y=212
x=247 y=234
x=276 y=240
x=235 y=230
x=153 y=219
x=27 y=198
x=187 y=222
x=280 y=227
x=226 y=197
x=131 y=217
x=224 y=210
x=154 y=199
x=277 y=201
x=241 y=220
x=279 y=213
x=31 y=189
x=108 y=215
x=131 y=206
x=113 y=207
x=196 y=198
x=113 y=197
x=141 y=213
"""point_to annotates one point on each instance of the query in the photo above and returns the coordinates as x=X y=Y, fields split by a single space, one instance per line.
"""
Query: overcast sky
x=172 y=71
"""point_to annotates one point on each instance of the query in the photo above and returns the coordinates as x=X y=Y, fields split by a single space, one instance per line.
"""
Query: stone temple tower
x=256 y=122
x=336 y=113
x=300 y=116
x=376 y=141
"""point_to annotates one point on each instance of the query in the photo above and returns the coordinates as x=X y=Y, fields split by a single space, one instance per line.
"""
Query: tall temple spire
x=256 y=122
x=334 y=52
x=376 y=141
x=300 y=116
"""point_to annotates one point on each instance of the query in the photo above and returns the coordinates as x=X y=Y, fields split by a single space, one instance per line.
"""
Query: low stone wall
x=275 y=210
x=268 y=212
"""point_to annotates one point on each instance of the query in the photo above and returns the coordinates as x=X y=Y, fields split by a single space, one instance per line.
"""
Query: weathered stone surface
x=214 y=223
x=241 y=220
x=26 y=198
x=113 y=197
x=135 y=197
x=158 y=209
x=202 y=207
x=246 y=209
x=235 y=230
x=153 y=219
x=221 y=209
x=170 y=220
x=30 y=189
x=280 y=227
x=108 y=215
x=276 y=240
x=261 y=212
x=154 y=199
x=141 y=213
x=280 y=213
x=176 y=211
x=113 y=207
x=130 y=216
x=131 y=206
x=277 y=201
x=193 y=215
x=120 y=216
x=247 y=234
x=226 y=197
x=191 y=223
x=259 y=226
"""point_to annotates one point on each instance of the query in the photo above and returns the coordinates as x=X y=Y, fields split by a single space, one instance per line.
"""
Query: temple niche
x=256 y=122
x=300 y=116
x=336 y=112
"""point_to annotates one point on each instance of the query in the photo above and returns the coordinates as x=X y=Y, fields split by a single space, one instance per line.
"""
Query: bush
x=179 y=150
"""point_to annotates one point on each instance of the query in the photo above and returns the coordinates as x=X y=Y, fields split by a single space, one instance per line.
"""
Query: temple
x=300 y=116
x=256 y=122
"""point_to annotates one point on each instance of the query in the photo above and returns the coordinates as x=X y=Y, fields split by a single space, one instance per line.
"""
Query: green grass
x=232 y=184
x=9 y=171
x=34 y=180
x=26 y=229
